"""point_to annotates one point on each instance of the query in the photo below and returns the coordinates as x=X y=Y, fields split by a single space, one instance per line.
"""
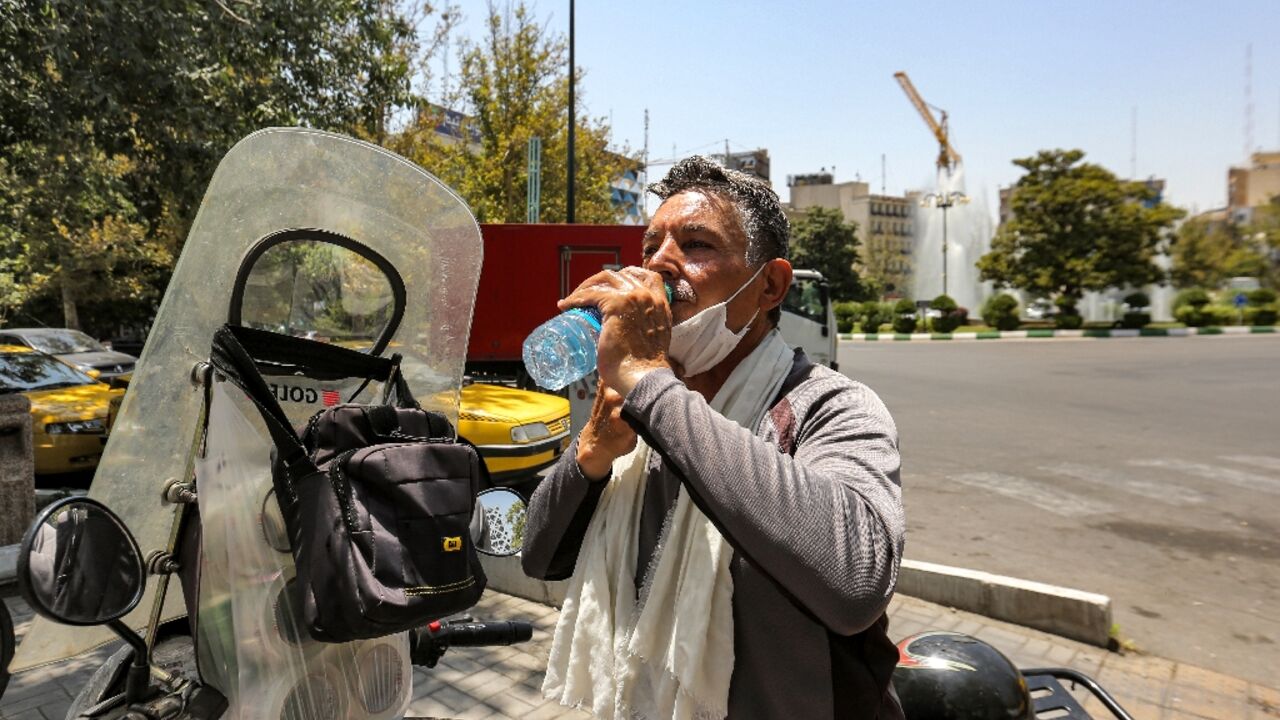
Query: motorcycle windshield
x=252 y=645
x=300 y=232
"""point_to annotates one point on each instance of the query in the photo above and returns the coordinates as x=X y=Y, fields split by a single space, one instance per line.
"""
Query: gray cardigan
x=812 y=505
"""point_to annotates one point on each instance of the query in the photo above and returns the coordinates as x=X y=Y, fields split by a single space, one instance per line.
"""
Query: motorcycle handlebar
x=493 y=632
x=428 y=644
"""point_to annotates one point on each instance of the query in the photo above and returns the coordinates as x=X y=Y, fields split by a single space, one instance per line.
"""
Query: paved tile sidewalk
x=502 y=683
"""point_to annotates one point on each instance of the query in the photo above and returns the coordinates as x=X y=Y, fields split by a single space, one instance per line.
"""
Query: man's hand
x=606 y=436
x=636 y=328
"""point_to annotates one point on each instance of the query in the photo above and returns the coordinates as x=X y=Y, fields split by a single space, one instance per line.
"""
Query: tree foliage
x=1264 y=235
x=514 y=85
x=113 y=116
x=1205 y=253
x=821 y=240
x=1075 y=228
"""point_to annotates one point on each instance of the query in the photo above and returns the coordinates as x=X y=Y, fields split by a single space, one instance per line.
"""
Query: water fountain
x=968 y=231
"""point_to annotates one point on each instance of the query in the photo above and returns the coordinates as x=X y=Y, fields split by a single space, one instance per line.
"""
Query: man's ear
x=777 y=281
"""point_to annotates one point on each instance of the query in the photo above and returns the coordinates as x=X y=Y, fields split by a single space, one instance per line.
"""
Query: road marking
x=1239 y=478
x=1056 y=501
x=1106 y=477
x=1262 y=461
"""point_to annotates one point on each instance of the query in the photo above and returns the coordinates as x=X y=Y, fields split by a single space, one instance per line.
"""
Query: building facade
x=627 y=196
x=1254 y=186
x=751 y=162
x=886 y=225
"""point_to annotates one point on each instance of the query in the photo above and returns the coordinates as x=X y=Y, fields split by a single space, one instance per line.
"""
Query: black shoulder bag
x=377 y=499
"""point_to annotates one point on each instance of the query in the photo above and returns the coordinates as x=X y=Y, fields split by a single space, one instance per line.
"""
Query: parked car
x=68 y=408
x=517 y=432
x=72 y=347
x=1041 y=309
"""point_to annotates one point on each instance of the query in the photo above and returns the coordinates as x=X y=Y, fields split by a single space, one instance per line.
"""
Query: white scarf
x=670 y=655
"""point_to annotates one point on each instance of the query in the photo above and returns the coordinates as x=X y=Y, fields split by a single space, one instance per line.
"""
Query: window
x=808 y=299
x=25 y=371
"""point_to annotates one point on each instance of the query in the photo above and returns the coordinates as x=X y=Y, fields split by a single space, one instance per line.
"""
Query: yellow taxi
x=517 y=432
x=68 y=408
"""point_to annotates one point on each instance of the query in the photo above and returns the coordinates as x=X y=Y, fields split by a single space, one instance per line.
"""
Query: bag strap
x=233 y=361
x=397 y=384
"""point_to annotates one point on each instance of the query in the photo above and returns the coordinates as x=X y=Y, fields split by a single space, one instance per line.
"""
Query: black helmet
x=949 y=676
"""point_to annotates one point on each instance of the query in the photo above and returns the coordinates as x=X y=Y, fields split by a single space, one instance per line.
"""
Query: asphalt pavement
x=1146 y=469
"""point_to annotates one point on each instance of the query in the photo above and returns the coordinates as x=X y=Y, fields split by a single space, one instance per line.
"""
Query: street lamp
x=945 y=201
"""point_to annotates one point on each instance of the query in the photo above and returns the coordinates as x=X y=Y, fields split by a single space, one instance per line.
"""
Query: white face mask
x=702 y=341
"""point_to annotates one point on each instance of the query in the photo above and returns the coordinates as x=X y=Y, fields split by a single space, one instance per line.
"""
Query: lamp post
x=570 y=201
x=945 y=201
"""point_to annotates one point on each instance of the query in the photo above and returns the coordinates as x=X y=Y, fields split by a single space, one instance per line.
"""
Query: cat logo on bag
x=452 y=544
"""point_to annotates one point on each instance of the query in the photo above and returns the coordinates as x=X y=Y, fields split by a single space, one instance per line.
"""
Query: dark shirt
x=812 y=507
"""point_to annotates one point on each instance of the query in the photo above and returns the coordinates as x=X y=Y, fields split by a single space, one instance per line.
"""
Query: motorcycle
x=79 y=565
x=303 y=234
x=951 y=676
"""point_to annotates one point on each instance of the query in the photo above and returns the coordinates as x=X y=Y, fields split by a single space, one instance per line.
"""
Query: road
x=1146 y=469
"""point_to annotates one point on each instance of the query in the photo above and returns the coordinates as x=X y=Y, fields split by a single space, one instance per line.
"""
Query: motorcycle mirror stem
x=137 y=682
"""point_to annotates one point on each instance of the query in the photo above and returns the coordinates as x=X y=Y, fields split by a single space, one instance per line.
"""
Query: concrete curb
x=1073 y=614
x=1052 y=334
x=506 y=576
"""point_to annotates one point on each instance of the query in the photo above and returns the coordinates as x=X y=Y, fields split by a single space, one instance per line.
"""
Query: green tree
x=1076 y=227
x=1205 y=253
x=113 y=116
x=821 y=240
x=1264 y=233
x=514 y=85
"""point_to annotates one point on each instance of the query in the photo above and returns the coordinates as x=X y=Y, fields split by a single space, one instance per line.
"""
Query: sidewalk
x=1046 y=334
x=503 y=683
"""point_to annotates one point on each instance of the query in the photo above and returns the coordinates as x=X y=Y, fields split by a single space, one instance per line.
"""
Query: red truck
x=527 y=269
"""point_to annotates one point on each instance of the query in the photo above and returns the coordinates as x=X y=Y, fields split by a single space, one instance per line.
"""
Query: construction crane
x=948 y=158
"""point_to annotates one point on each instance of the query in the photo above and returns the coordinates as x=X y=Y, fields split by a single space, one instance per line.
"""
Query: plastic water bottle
x=563 y=349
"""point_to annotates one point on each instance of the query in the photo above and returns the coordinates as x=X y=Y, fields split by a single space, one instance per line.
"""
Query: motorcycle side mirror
x=502 y=522
x=78 y=564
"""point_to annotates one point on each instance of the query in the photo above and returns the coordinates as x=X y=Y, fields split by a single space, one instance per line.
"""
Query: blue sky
x=813 y=82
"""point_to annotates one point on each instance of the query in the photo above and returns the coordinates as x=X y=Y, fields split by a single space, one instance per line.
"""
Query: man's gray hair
x=757 y=204
x=759 y=211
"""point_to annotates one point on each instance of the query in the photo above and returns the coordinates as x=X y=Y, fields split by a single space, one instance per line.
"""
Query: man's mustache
x=682 y=291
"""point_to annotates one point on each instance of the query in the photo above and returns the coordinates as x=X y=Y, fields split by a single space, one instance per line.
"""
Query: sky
x=813 y=83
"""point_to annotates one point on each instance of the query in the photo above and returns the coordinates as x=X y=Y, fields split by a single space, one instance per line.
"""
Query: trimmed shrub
x=1068 y=317
x=846 y=314
x=948 y=320
x=1135 y=320
x=1195 y=297
x=873 y=315
x=904 y=316
x=962 y=313
x=1068 y=321
x=1137 y=300
x=1205 y=315
x=1261 y=297
x=1265 y=315
x=1001 y=312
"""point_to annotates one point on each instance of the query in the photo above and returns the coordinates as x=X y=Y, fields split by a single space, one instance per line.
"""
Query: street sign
x=1240 y=300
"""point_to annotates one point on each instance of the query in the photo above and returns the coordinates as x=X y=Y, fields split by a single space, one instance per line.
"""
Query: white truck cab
x=808 y=320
